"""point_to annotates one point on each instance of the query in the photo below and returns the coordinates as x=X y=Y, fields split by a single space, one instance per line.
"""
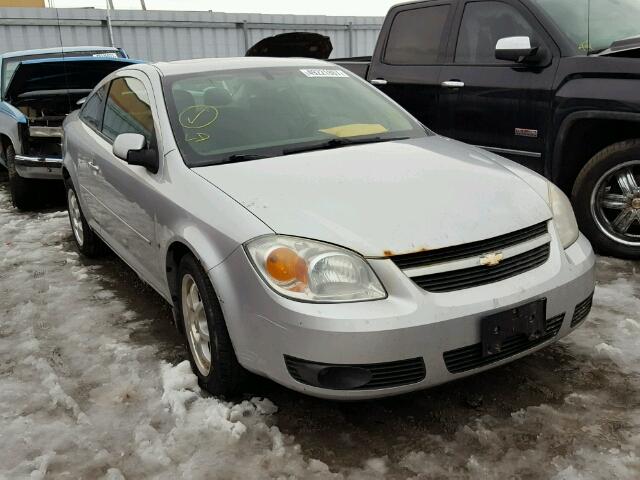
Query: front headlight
x=313 y=271
x=563 y=217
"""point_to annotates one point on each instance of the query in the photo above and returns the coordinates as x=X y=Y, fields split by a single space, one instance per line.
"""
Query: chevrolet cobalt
x=308 y=229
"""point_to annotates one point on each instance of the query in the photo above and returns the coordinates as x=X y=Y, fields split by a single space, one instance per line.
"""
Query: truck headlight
x=563 y=217
x=312 y=271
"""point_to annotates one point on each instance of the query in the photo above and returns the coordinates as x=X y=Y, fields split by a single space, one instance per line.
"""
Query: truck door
x=406 y=66
x=501 y=105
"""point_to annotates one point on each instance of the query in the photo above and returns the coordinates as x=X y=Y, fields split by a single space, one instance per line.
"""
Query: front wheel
x=209 y=347
x=606 y=196
x=22 y=193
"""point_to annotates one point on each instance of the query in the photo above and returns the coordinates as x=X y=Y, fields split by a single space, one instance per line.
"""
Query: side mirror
x=516 y=49
x=133 y=149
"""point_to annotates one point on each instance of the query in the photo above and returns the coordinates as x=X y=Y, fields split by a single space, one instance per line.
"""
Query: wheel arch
x=602 y=128
x=5 y=142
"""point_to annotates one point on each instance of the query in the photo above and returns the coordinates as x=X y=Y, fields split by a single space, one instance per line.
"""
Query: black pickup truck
x=551 y=84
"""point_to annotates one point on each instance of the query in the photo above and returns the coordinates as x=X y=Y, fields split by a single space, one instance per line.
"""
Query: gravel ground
x=93 y=384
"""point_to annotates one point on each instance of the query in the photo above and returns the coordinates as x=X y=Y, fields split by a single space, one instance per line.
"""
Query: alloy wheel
x=615 y=203
x=196 y=327
x=76 y=217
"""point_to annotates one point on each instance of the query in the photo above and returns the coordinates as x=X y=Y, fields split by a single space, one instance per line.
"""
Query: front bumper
x=268 y=330
x=46 y=168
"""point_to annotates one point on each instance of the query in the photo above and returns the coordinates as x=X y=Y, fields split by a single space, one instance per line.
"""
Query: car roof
x=40 y=51
x=199 y=65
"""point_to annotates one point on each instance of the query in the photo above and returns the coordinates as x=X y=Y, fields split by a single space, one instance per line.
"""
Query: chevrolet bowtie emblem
x=491 y=259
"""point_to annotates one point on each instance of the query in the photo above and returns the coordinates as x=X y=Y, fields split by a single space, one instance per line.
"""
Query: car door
x=86 y=142
x=126 y=192
x=500 y=105
x=407 y=66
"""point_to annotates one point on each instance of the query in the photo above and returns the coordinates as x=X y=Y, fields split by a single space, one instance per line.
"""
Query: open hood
x=295 y=44
x=49 y=74
x=629 y=48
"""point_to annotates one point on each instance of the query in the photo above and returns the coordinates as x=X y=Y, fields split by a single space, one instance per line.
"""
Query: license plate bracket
x=528 y=320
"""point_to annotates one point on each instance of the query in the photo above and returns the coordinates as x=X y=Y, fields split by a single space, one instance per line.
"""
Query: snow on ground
x=81 y=396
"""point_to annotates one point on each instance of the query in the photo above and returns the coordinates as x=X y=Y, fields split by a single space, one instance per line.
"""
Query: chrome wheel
x=615 y=203
x=195 y=323
x=75 y=216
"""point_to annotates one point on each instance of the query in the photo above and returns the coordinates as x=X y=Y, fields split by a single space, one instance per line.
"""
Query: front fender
x=11 y=121
x=194 y=213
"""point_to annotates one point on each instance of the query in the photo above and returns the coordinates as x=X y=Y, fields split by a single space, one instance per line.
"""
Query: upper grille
x=581 y=311
x=422 y=259
x=470 y=357
x=383 y=375
x=482 y=275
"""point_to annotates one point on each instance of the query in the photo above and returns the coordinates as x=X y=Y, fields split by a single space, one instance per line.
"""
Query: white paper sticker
x=323 y=72
x=106 y=55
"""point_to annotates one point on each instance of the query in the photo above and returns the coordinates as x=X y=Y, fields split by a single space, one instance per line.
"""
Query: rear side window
x=483 y=24
x=91 y=112
x=416 y=36
x=127 y=109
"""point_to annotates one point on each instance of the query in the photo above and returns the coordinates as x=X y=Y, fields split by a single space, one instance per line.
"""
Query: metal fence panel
x=172 y=35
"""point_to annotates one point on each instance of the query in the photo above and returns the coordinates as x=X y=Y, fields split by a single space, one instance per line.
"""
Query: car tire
x=22 y=195
x=197 y=307
x=604 y=205
x=88 y=243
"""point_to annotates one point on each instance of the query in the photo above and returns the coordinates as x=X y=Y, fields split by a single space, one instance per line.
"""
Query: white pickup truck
x=39 y=88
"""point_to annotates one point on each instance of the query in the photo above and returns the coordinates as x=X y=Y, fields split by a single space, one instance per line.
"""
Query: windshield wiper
x=242 y=157
x=337 y=143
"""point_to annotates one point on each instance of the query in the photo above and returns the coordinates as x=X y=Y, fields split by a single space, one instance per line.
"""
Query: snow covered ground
x=93 y=385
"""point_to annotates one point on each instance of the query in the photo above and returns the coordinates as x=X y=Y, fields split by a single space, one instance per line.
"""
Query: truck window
x=483 y=24
x=416 y=36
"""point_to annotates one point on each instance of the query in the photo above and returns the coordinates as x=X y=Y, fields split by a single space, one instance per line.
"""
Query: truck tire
x=207 y=340
x=21 y=191
x=606 y=197
x=88 y=243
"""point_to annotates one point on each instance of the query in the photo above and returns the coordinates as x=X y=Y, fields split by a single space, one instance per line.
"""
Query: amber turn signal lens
x=285 y=266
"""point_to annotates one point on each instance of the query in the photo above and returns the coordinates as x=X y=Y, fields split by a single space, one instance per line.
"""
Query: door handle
x=93 y=166
x=378 y=81
x=452 y=84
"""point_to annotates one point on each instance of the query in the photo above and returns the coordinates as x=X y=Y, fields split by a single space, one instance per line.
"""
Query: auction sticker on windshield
x=323 y=72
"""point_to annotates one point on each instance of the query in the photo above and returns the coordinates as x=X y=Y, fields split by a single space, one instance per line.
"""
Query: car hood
x=387 y=198
x=627 y=47
x=74 y=73
x=293 y=44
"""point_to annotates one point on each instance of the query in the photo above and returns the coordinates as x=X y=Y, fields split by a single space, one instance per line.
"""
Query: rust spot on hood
x=390 y=253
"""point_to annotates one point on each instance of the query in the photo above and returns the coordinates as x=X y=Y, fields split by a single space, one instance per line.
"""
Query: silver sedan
x=308 y=229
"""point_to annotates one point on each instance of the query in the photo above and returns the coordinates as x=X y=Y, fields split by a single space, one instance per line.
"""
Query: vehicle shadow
x=47 y=194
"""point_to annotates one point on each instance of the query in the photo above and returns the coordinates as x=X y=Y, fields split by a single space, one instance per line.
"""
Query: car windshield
x=224 y=116
x=10 y=64
x=593 y=25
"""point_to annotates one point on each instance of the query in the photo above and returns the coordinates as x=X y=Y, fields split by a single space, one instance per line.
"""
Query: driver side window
x=128 y=110
x=483 y=24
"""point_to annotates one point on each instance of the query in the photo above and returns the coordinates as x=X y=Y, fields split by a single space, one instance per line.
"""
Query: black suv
x=551 y=84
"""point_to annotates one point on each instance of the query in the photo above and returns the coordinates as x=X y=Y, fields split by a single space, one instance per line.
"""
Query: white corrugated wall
x=171 y=35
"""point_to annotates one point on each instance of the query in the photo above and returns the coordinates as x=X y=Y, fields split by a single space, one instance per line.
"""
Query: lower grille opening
x=356 y=377
x=581 y=311
x=470 y=357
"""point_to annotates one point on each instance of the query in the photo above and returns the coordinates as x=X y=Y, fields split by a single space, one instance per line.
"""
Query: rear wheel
x=607 y=199
x=209 y=347
x=22 y=195
x=89 y=244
